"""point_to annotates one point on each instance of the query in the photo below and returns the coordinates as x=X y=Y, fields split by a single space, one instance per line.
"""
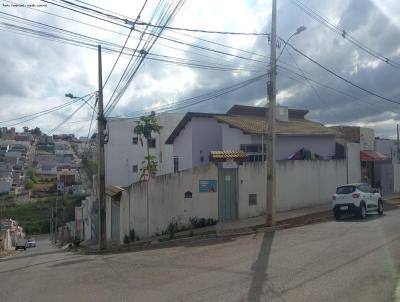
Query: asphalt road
x=350 y=260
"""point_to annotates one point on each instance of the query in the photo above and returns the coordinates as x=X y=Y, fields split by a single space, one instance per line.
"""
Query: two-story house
x=244 y=128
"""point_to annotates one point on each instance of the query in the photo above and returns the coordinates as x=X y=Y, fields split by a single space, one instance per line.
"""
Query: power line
x=126 y=41
x=127 y=21
x=283 y=70
x=340 y=77
x=71 y=115
x=316 y=15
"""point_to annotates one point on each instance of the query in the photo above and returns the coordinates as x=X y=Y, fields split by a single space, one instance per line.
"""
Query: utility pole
x=271 y=177
x=398 y=145
x=101 y=123
x=56 y=227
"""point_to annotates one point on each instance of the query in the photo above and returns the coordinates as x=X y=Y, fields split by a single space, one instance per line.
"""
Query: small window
x=252 y=199
x=151 y=142
x=135 y=140
x=176 y=164
x=134 y=168
x=188 y=194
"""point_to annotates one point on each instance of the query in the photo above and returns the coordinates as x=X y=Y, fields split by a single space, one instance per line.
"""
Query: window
x=151 y=142
x=176 y=164
x=254 y=152
x=252 y=199
x=345 y=190
x=364 y=188
x=134 y=168
x=135 y=140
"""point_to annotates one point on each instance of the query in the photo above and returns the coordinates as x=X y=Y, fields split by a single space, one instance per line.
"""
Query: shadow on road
x=259 y=269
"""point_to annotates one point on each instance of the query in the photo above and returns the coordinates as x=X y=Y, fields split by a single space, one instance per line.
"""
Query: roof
x=227 y=154
x=368 y=155
x=256 y=124
x=113 y=190
x=262 y=111
x=295 y=127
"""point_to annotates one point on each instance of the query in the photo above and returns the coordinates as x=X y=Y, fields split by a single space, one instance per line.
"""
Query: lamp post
x=270 y=218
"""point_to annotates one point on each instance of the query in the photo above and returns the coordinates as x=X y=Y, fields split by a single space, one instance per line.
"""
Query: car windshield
x=345 y=190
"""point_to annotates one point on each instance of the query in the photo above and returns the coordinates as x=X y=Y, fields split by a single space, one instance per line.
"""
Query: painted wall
x=121 y=154
x=183 y=147
x=232 y=138
x=300 y=184
x=167 y=202
x=308 y=183
x=207 y=136
x=353 y=162
x=321 y=145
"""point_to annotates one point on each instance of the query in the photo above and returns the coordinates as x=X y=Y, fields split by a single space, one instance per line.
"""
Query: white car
x=357 y=199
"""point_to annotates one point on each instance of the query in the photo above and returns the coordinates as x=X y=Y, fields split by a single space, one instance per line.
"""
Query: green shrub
x=28 y=184
x=126 y=239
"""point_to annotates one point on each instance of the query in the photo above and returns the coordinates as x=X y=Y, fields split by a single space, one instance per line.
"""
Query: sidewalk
x=259 y=221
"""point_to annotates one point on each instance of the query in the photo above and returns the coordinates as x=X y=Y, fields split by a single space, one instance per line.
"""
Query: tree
x=28 y=184
x=26 y=129
x=145 y=126
x=36 y=131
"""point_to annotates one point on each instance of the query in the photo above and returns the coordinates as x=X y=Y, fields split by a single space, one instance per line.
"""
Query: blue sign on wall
x=207 y=186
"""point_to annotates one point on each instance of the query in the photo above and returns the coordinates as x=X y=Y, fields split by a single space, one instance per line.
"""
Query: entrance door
x=115 y=221
x=227 y=194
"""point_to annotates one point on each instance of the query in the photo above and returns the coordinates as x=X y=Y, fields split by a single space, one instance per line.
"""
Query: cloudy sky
x=36 y=73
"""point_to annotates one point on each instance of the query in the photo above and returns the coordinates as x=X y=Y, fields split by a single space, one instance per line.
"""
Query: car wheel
x=362 y=211
x=336 y=214
x=380 y=207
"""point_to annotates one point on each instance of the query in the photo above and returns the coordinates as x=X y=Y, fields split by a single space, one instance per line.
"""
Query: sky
x=37 y=73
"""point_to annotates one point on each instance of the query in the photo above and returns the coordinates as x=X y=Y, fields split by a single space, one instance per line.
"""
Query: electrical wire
x=127 y=20
x=341 y=77
x=316 y=15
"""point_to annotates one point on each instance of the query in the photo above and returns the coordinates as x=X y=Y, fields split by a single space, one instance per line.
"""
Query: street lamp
x=298 y=31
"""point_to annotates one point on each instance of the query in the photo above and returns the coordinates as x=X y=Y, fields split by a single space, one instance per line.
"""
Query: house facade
x=124 y=152
x=244 y=128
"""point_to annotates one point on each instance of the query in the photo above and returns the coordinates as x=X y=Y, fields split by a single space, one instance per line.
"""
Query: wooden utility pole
x=271 y=177
x=56 y=230
x=101 y=123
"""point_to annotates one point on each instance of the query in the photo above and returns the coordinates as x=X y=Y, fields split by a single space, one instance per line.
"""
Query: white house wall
x=207 y=136
x=232 y=138
x=121 y=154
x=183 y=147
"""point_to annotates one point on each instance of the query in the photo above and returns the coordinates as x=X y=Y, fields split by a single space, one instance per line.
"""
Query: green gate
x=227 y=194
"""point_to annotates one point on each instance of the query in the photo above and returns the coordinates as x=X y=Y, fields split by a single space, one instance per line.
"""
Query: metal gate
x=115 y=221
x=227 y=194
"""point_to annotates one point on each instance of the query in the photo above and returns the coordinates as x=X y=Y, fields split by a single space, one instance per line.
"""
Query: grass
x=34 y=217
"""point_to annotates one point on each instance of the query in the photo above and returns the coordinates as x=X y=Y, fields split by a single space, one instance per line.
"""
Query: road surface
x=349 y=260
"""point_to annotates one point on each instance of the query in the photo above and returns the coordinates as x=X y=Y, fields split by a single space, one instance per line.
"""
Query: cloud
x=37 y=73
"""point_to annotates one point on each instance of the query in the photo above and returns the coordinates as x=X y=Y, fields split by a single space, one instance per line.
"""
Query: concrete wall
x=167 y=202
x=300 y=184
x=321 y=145
x=308 y=183
x=353 y=162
